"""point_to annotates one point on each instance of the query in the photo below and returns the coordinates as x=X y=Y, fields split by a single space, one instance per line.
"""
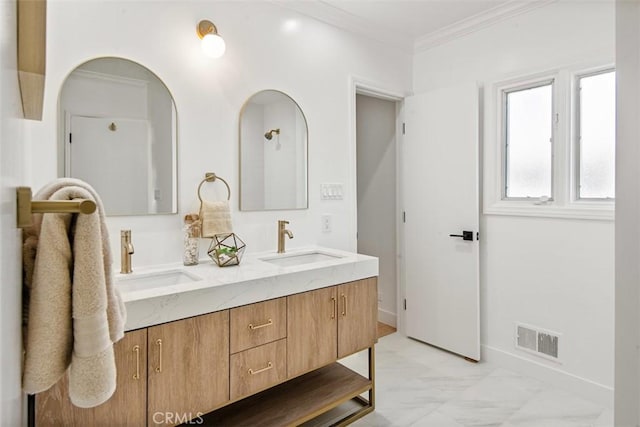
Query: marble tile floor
x=418 y=385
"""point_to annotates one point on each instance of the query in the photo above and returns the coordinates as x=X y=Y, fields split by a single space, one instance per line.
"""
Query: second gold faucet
x=281 y=233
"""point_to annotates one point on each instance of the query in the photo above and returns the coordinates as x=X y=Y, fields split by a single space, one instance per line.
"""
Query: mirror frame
x=61 y=148
x=306 y=123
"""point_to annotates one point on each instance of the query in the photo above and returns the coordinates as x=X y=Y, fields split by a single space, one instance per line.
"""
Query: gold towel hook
x=210 y=177
x=26 y=206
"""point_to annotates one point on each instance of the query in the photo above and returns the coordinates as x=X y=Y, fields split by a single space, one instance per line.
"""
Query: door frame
x=362 y=86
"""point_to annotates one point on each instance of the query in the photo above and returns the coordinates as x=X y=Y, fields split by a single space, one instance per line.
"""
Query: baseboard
x=387 y=317
x=596 y=392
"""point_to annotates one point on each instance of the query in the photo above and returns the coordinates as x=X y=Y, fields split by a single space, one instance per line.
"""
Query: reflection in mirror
x=273 y=153
x=117 y=124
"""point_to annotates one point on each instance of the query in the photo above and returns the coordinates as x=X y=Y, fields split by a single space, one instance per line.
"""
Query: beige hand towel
x=215 y=217
x=75 y=314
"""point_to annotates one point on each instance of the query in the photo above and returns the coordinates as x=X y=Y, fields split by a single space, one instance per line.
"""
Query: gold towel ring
x=210 y=177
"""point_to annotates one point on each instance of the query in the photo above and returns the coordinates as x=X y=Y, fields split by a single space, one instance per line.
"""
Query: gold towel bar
x=210 y=177
x=26 y=206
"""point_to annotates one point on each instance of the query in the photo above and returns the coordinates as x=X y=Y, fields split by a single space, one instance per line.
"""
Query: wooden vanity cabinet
x=330 y=323
x=166 y=374
x=311 y=330
x=188 y=372
x=127 y=406
x=272 y=362
x=358 y=317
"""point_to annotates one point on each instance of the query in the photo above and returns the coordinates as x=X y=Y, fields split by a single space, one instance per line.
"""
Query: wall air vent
x=537 y=341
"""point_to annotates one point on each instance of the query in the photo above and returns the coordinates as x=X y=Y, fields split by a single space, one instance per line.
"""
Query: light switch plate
x=331 y=191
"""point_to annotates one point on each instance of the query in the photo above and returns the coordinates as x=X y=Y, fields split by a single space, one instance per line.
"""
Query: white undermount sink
x=158 y=279
x=299 y=258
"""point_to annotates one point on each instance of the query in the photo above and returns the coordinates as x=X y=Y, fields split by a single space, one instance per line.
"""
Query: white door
x=440 y=182
x=112 y=155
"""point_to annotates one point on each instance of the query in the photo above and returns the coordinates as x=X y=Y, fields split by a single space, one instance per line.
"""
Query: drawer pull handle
x=159 y=344
x=252 y=326
x=136 y=350
x=266 y=368
x=344 y=305
x=335 y=307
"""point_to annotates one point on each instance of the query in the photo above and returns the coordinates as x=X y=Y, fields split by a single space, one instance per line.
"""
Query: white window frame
x=575 y=137
x=564 y=162
x=504 y=92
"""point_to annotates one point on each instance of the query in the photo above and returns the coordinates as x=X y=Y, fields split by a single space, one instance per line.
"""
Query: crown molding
x=339 y=18
x=329 y=14
x=477 y=22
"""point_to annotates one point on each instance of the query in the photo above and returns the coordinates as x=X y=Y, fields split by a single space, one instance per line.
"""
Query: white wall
x=12 y=159
x=376 y=174
x=627 y=308
x=556 y=274
x=311 y=62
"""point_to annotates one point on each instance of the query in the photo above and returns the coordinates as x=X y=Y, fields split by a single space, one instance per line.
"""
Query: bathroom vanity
x=256 y=344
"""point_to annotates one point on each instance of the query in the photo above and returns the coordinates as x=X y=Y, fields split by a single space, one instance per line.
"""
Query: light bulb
x=213 y=45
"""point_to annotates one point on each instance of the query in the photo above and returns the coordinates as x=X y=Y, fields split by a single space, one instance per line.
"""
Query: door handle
x=466 y=235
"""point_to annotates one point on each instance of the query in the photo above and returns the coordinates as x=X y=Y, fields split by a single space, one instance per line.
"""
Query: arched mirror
x=273 y=153
x=117 y=124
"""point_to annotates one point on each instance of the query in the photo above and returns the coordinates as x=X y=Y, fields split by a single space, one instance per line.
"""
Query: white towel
x=75 y=314
x=215 y=217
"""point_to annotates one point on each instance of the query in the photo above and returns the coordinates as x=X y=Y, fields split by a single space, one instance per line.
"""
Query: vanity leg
x=372 y=377
x=31 y=410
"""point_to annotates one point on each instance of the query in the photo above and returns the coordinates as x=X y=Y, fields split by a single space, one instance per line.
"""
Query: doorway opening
x=377 y=194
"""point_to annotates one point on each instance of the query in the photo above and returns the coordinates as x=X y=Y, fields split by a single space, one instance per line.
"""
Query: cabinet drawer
x=258 y=368
x=256 y=324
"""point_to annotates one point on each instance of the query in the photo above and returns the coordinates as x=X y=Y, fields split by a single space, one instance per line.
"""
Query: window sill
x=600 y=211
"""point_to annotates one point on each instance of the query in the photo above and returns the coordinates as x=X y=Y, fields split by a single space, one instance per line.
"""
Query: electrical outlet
x=326 y=223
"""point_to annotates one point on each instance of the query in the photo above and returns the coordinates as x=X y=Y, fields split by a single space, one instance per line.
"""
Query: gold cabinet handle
x=335 y=307
x=344 y=305
x=159 y=344
x=253 y=327
x=136 y=350
x=266 y=368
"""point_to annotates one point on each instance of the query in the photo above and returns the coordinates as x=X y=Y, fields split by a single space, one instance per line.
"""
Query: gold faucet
x=126 y=250
x=281 y=232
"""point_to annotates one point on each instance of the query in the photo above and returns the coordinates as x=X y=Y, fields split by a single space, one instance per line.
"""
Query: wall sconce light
x=270 y=133
x=212 y=44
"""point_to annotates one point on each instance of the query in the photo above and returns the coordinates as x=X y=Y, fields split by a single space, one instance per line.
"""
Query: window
x=528 y=141
x=549 y=147
x=596 y=135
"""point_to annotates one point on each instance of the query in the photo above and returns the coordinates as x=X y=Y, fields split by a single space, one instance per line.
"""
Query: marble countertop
x=211 y=288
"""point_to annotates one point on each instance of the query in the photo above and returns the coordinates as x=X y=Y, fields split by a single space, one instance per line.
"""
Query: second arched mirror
x=273 y=153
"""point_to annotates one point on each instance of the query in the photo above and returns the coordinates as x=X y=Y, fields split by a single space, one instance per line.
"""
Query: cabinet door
x=358 y=315
x=311 y=330
x=127 y=406
x=188 y=368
